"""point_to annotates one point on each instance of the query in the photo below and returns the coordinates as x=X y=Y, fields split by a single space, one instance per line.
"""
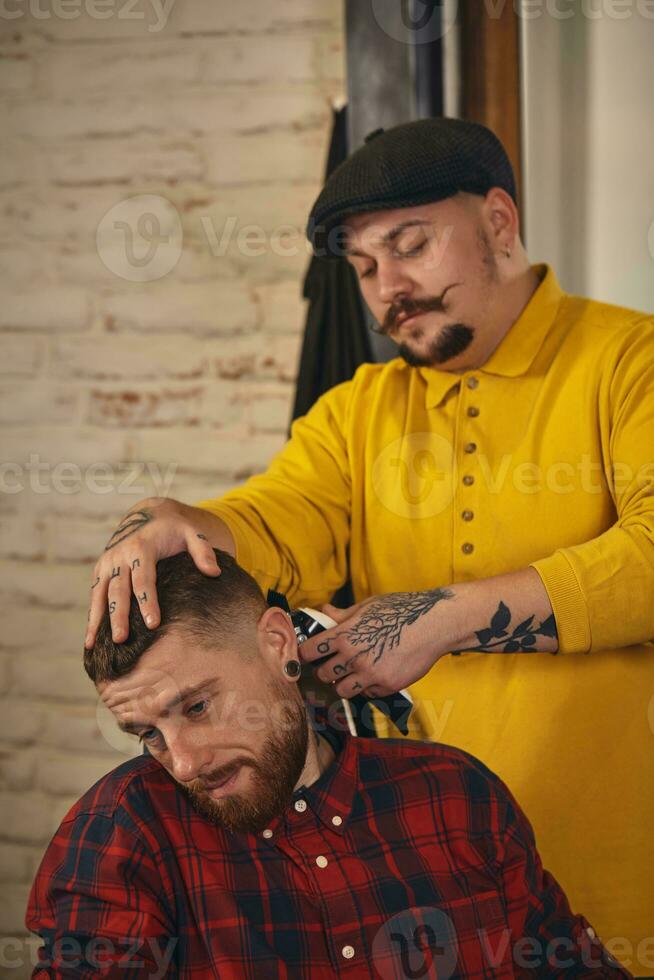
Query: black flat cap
x=415 y=163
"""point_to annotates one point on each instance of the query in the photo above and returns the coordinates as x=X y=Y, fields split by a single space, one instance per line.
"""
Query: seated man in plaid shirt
x=253 y=842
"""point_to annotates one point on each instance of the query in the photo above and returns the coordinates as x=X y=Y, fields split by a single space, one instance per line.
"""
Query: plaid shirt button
x=337 y=821
x=348 y=952
x=300 y=805
x=267 y=834
x=322 y=861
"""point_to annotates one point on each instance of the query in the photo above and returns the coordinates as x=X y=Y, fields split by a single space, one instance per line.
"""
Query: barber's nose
x=394 y=284
x=187 y=758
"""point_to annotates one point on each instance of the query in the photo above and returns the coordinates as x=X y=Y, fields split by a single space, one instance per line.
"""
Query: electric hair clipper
x=309 y=622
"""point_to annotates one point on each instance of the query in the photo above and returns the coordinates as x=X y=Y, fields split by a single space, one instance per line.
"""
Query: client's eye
x=148 y=736
x=198 y=708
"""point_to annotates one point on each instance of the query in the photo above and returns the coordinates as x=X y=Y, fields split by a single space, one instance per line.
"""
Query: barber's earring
x=292 y=668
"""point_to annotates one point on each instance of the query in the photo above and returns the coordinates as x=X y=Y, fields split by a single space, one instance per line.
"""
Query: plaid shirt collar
x=332 y=794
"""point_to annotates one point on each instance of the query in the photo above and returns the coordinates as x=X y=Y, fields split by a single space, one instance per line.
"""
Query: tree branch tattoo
x=130 y=524
x=522 y=638
x=380 y=624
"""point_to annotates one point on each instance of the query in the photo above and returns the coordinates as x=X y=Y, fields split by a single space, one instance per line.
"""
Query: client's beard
x=275 y=775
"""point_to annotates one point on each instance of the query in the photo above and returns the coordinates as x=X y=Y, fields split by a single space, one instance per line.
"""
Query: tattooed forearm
x=381 y=623
x=496 y=637
x=130 y=524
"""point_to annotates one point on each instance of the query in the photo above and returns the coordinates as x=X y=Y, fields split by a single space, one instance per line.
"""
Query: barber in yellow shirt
x=490 y=493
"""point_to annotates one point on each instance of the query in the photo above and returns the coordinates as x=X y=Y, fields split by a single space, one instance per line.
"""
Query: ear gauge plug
x=292 y=668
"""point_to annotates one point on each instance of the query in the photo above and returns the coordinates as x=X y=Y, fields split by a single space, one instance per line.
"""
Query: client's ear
x=277 y=641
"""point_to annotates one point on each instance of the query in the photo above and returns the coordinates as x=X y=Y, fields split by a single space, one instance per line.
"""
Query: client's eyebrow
x=185 y=694
x=391 y=235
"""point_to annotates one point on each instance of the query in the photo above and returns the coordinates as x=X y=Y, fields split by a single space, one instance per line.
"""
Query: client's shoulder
x=131 y=787
x=396 y=759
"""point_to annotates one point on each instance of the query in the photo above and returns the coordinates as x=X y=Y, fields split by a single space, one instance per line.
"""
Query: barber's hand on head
x=155 y=528
x=381 y=645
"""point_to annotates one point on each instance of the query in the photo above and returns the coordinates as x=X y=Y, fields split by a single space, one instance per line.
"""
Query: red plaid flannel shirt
x=405 y=859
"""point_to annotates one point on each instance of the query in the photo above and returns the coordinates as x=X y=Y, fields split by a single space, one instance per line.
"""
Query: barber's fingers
x=119 y=594
x=143 y=571
x=201 y=552
x=337 y=614
x=353 y=685
x=98 y=605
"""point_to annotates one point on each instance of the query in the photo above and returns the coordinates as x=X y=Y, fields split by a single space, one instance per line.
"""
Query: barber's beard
x=273 y=778
x=452 y=339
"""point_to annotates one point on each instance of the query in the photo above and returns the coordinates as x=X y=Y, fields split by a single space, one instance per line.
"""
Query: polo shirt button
x=337 y=821
x=347 y=952
x=467 y=515
x=300 y=805
x=322 y=861
x=473 y=411
x=467 y=548
x=470 y=447
x=468 y=480
x=267 y=834
x=472 y=382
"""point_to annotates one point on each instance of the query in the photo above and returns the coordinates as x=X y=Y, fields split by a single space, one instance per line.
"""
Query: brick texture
x=156 y=175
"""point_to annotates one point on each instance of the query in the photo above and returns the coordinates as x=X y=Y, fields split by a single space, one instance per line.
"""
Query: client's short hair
x=211 y=609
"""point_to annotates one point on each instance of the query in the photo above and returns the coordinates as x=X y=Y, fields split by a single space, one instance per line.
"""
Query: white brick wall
x=113 y=389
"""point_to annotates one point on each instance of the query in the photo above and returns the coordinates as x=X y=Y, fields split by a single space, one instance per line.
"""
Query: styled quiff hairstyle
x=213 y=610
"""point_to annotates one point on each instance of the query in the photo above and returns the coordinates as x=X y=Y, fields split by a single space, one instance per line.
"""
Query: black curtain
x=336 y=336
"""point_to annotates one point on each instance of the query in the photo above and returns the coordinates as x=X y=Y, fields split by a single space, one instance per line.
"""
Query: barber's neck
x=518 y=283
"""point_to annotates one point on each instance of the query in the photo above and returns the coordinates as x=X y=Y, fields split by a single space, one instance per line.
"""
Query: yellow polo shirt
x=543 y=457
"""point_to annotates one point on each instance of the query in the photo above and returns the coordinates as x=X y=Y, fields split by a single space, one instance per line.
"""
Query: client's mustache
x=212 y=779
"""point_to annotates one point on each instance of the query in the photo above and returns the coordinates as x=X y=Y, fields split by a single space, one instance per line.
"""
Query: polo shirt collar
x=517 y=350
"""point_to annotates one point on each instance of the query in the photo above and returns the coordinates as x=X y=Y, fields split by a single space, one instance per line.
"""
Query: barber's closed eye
x=414 y=250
